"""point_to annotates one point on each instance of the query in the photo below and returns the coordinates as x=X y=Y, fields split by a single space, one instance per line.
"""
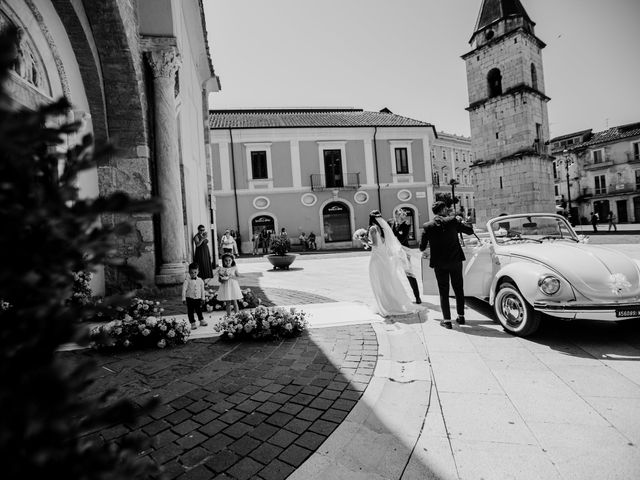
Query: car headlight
x=549 y=285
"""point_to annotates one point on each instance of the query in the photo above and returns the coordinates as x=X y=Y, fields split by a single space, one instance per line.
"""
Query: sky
x=405 y=55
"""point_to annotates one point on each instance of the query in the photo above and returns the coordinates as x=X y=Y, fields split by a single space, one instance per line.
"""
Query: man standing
x=594 y=221
x=445 y=257
x=401 y=228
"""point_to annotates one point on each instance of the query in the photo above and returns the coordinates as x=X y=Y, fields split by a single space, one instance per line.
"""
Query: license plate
x=627 y=312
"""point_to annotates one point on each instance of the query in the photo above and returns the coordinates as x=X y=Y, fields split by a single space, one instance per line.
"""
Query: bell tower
x=508 y=113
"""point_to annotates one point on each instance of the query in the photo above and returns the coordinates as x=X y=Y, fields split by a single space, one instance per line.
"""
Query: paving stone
x=213 y=427
x=194 y=456
x=245 y=469
x=197 y=394
x=222 y=406
x=237 y=398
x=114 y=432
x=155 y=427
x=263 y=431
x=265 y=453
x=310 y=440
x=198 y=473
x=291 y=389
x=351 y=395
x=291 y=408
x=250 y=389
x=161 y=411
x=310 y=414
x=254 y=418
x=311 y=390
x=177 y=417
x=323 y=427
x=222 y=460
x=268 y=408
x=217 y=442
x=238 y=429
x=181 y=402
x=297 y=425
x=205 y=416
x=244 y=445
x=280 y=398
x=279 y=419
x=231 y=416
x=172 y=470
x=190 y=440
x=164 y=437
x=214 y=397
x=321 y=403
x=344 y=404
x=185 y=427
x=283 y=438
x=165 y=453
x=331 y=394
x=261 y=396
x=198 y=406
x=295 y=455
x=302 y=399
x=320 y=382
x=276 y=470
x=334 y=415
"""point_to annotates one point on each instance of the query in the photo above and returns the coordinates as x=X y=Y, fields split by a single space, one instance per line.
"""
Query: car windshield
x=531 y=228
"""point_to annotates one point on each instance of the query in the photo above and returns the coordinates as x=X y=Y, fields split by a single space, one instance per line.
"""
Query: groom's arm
x=424 y=240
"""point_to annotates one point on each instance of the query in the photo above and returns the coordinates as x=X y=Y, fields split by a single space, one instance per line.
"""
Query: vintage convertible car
x=529 y=265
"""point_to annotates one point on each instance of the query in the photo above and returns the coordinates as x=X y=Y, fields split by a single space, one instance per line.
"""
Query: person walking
x=445 y=257
x=401 y=228
x=612 y=221
x=594 y=221
x=228 y=243
x=201 y=255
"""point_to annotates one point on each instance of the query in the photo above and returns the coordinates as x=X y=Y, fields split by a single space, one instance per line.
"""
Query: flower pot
x=281 y=261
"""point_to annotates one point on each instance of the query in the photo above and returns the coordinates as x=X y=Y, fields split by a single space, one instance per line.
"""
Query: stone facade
x=603 y=173
x=96 y=56
x=508 y=113
x=451 y=159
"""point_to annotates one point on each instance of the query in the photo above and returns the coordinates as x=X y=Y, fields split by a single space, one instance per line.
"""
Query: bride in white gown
x=386 y=269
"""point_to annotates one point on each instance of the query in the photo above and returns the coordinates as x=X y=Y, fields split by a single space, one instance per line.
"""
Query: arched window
x=457 y=175
x=436 y=178
x=465 y=177
x=262 y=222
x=336 y=222
x=494 y=82
x=534 y=77
x=445 y=175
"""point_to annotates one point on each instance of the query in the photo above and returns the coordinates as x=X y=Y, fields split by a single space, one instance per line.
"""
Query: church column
x=164 y=63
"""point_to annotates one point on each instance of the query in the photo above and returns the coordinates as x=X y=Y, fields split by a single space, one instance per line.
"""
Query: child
x=193 y=296
x=229 y=290
x=311 y=241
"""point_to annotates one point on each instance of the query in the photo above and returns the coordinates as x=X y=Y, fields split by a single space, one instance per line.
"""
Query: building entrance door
x=636 y=209
x=622 y=211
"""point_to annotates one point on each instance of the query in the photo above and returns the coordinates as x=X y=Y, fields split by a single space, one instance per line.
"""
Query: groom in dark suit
x=445 y=257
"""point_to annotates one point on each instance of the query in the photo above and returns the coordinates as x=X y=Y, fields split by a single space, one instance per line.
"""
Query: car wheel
x=514 y=313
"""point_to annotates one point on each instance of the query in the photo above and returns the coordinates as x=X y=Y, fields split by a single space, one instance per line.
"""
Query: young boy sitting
x=193 y=296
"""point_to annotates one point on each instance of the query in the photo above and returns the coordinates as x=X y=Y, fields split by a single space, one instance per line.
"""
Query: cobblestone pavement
x=240 y=410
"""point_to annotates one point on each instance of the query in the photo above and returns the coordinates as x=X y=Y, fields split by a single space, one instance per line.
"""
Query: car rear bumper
x=591 y=311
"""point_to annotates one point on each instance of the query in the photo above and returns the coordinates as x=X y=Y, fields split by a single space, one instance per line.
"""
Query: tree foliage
x=48 y=233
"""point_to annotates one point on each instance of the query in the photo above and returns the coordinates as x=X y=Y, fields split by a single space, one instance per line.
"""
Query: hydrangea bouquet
x=263 y=323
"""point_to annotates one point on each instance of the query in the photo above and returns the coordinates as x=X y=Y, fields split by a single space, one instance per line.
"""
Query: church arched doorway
x=336 y=222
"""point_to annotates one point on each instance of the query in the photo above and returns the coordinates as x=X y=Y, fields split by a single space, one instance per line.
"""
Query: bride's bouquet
x=362 y=235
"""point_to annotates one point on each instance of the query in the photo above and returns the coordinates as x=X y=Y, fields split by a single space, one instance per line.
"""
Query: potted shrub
x=280 y=258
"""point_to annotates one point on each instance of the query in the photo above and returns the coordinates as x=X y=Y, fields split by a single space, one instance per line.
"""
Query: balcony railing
x=633 y=157
x=349 y=181
x=610 y=190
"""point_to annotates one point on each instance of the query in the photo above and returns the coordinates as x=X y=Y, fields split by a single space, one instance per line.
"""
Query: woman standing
x=387 y=268
x=201 y=255
x=228 y=243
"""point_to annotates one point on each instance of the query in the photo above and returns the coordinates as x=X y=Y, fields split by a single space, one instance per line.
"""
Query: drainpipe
x=375 y=158
x=235 y=194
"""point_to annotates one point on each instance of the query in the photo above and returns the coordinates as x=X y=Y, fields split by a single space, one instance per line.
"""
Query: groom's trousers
x=443 y=273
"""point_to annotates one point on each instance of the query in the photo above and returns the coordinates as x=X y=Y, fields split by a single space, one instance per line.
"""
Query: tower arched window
x=494 y=82
x=445 y=176
x=534 y=77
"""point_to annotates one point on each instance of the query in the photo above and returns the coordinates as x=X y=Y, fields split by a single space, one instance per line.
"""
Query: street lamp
x=565 y=153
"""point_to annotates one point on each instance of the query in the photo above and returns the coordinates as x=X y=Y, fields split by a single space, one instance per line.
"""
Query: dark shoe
x=460 y=321
x=418 y=300
x=446 y=324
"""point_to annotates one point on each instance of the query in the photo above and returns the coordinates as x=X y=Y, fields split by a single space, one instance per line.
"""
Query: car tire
x=513 y=312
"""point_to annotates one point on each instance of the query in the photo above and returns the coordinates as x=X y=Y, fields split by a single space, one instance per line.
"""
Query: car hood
x=596 y=272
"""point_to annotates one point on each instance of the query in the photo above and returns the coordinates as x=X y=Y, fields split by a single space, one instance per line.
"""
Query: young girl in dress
x=229 y=290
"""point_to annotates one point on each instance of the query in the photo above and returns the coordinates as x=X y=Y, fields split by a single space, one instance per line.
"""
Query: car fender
x=524 y=274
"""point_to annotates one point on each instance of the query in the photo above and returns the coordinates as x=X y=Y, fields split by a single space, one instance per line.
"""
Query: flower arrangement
x=362 y=235
x=263 y=323
x=81 y=290
x=140 y=325
x=280 y=245
x=249 y=299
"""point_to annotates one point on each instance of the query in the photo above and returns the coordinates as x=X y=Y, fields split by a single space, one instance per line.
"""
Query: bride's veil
x=392 y=245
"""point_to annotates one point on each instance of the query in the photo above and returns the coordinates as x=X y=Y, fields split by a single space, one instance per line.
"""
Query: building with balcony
x=451 y=159
x=319 y=170
x=599 y=172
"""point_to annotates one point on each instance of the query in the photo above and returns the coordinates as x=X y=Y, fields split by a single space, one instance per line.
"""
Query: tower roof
x=493 y=10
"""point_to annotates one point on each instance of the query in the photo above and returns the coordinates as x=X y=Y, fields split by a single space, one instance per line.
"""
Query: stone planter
x=281 y=261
